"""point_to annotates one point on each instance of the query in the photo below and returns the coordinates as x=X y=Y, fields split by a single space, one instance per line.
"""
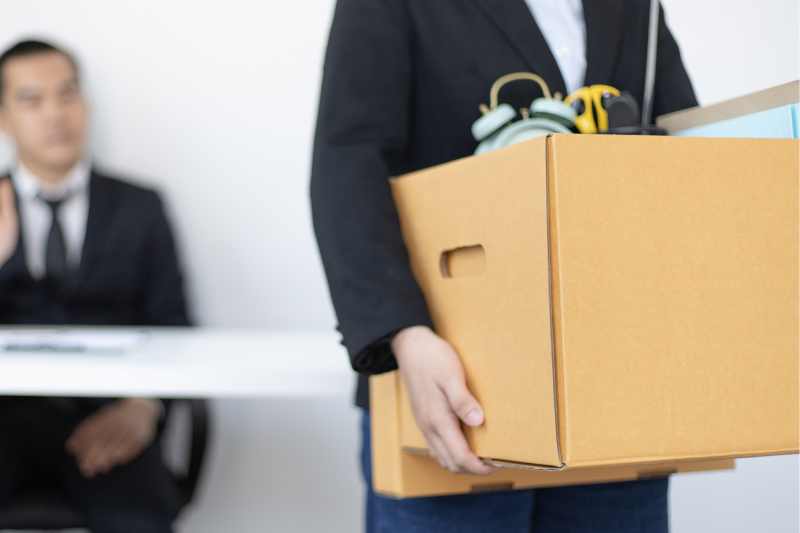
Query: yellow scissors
x=589 y=105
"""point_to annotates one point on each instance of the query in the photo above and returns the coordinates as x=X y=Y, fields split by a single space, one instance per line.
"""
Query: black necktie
x=56 y=248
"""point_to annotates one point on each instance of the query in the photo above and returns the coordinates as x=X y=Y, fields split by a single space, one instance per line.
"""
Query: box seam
x=551 y=289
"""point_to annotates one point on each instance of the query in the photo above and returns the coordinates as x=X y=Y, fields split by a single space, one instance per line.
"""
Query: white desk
x=180 y=363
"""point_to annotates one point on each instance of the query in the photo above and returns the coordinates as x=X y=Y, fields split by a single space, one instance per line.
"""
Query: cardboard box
x=399 y=473
x=772 y=113
x=615 y=300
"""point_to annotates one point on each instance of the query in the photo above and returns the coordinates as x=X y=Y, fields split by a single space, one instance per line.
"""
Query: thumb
x=463 y=403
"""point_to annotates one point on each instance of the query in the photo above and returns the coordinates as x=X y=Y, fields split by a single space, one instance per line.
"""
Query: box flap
x=476 y=231
x=387 y=463
x=424 y=477
x=402 y=475
x=676 y=297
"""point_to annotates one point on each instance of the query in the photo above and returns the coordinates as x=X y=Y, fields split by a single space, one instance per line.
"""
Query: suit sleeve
x=11 y=274
x=673 y=90
x=361 y=140
x=163 y=301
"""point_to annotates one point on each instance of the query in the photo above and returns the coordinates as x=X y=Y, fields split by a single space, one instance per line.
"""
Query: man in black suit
x=80 y=247
x=402 y=83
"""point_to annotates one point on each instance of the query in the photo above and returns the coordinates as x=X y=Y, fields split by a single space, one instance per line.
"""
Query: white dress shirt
x=35 y=215
x=564 y=29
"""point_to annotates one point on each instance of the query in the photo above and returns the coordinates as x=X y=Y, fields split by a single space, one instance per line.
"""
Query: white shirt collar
x=27 y=184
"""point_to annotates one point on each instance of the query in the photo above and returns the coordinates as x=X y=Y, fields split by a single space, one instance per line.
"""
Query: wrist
x=153 y=407
x=408 y=337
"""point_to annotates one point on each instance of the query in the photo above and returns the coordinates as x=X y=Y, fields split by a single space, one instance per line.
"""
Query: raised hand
x=9 y=226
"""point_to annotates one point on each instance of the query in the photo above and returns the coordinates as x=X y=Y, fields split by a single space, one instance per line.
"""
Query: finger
x=82 y=436
x=96 y=463
x=93 y=432
x=72 y=443
x=98 y=456
x=462 y=402
x=126 y=448
x=125 y=455
x=6 y=200
x=86 y=466
x=437 y=410
x=114 y=455
x=458 y=450
x=439 y=452
x=76 y=443
x=114 y=439
x=88 y=460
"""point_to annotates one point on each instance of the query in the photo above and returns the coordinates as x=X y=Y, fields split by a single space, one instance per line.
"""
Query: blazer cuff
x=377 y=357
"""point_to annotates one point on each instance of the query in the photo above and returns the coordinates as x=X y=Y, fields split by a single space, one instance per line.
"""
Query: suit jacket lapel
x=97 y=222
x=603 y=36
x=515 y=20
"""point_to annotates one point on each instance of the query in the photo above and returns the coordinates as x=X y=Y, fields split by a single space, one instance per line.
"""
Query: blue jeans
x=629 y=507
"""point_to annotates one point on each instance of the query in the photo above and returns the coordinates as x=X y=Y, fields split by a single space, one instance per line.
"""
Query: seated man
x=80 y=247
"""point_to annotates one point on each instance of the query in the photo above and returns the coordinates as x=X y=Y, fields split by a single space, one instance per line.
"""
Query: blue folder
x=778 y=123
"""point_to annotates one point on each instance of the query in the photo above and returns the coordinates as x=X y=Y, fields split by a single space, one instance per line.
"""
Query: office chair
x=47 y=509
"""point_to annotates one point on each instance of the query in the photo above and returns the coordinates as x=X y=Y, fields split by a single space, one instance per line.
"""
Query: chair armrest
x=200 y=421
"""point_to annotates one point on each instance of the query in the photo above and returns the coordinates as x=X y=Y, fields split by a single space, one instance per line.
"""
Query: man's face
x=43 y=110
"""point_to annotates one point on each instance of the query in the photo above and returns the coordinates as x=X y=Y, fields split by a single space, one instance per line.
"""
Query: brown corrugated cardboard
x=615 y=300
x=401 y=474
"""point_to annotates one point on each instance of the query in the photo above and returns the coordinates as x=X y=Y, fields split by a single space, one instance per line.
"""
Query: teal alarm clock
x=501 y=125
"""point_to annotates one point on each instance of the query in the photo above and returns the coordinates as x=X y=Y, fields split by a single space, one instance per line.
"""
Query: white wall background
x=214 y=103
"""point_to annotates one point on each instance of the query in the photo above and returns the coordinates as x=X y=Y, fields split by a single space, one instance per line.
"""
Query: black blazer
x=129 y=274
x=402 y=83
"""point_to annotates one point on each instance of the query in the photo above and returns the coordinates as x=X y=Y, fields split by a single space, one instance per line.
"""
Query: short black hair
x=31 y=47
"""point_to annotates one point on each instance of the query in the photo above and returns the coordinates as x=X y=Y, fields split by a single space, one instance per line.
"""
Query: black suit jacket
x=402 y=83
x=129 y=273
